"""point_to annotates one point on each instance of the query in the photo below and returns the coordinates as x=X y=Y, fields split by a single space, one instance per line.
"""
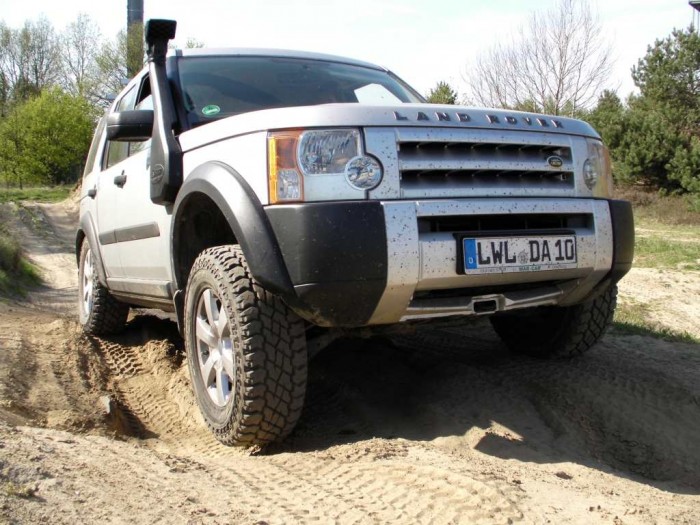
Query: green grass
x=41 y=194
x=19 y=491
x=667 y=229
x=16 y=273
x=635 y=319
x=657 y=250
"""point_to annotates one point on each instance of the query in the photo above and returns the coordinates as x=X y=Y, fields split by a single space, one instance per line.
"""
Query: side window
x=94 y=146
x=145 y=102
x=118 y=151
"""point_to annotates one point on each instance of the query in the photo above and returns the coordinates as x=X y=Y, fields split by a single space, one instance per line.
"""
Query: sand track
x=443 y=427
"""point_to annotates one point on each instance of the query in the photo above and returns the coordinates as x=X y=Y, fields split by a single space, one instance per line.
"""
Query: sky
x=422 y=41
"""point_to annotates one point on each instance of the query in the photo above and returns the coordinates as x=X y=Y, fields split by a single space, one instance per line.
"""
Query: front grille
x=437 y=163
x=504 y=223
x=484 y=178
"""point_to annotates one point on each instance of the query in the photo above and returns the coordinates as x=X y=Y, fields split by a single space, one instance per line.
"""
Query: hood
x=401 y=115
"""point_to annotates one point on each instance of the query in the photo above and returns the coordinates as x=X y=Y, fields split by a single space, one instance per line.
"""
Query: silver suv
x=272 y=197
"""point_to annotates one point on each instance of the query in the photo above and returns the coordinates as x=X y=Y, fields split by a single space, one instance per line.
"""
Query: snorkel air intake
x=166 y=155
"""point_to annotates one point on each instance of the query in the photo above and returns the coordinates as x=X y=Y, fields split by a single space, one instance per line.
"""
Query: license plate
x=519 y=254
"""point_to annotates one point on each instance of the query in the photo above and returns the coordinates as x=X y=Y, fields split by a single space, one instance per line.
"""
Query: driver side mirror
x=130 y=126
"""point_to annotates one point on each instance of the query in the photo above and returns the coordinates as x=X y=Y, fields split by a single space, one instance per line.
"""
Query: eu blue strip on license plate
x=470 y=254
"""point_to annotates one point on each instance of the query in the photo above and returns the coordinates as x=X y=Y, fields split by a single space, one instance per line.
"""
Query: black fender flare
x=86 y=230
x=247 y=219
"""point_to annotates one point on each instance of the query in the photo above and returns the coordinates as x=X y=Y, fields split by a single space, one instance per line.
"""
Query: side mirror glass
x=130 y=126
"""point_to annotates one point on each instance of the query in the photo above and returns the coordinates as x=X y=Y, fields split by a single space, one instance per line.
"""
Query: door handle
x=120 y=180
x=92 y=192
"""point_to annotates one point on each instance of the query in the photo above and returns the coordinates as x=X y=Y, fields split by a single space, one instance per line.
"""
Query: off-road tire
x=267 y=349
x=557 y=332
x=99 y=312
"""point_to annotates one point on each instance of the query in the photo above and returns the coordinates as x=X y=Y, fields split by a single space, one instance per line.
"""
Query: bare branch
x=80 y=42
x=559 y=62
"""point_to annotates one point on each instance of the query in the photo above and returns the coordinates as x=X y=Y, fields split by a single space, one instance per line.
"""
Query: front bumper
x=374 y=262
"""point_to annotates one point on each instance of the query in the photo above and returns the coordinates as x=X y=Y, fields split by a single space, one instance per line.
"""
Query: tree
x=661 y=145
x=29 y=58
x=609 y=118
x=79 y=44
x=134 y=49
x=193 y=43
x=669 y=75
x=442 y=93
x=111 y=62
x=14 y=170
x=46 y=139
x=557 y=63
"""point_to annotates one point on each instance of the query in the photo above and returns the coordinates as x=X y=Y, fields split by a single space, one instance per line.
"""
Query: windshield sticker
x=210 y=110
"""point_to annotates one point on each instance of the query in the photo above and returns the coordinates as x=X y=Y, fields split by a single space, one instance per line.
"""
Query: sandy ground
x=442 y=428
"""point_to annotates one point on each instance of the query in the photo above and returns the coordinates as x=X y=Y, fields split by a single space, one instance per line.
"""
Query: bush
x=16 y=274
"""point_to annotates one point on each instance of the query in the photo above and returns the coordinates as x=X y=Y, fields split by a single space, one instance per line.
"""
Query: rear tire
x=246 y=351
x=557 y=332
x=99 y=312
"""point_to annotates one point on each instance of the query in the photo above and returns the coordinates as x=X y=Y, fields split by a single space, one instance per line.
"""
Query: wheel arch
x=233 y=214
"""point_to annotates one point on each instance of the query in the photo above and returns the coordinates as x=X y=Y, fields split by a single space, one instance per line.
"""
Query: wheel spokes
x=227 y=361
x=207 y=369
x=214 y=348
x=212 y=310
x=205 y=334
x=87 y=282
x=222 y=325
x=222 y=386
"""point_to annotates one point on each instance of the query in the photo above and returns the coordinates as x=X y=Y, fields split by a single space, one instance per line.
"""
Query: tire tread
x=108 y=315
x=268 y=403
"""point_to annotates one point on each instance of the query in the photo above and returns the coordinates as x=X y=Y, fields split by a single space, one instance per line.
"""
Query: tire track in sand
x=299 y=486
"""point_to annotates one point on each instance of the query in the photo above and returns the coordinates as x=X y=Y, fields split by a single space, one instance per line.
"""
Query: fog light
x=363 y=173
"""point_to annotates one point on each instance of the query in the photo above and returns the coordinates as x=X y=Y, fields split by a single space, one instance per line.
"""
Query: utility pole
x=695 y=4
x=134 y=36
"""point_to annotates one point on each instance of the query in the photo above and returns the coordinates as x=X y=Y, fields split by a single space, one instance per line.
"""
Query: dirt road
x=443 y=428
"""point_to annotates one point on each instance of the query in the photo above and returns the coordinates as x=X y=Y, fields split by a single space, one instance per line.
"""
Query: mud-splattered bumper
x=377 y=262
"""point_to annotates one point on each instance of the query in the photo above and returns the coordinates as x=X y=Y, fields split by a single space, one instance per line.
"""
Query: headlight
x=597 y=172
x=328 y=151
x=317 y=165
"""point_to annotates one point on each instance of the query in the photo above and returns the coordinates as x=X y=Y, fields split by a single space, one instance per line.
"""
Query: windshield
x=214 y=87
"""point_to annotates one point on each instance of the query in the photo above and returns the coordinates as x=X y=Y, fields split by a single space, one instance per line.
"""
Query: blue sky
x=422 y=41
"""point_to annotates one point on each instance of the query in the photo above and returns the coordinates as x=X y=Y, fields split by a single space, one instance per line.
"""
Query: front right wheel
x=246 y=351
x=557 y=331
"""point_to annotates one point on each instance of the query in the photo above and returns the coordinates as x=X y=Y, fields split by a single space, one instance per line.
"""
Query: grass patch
x=41 y=194
x=654 y=251
x=16 y=273
x=19 y=491
x=635 y=319
x=652 y=207
x=667 y=229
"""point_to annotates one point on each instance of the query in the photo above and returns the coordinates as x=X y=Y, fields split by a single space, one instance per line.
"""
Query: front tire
x=99 y=312
x=555 y=331
x=246 y=351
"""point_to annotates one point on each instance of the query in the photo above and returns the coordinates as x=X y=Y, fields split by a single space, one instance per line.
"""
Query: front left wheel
x=246 y=351
x=99 y=312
